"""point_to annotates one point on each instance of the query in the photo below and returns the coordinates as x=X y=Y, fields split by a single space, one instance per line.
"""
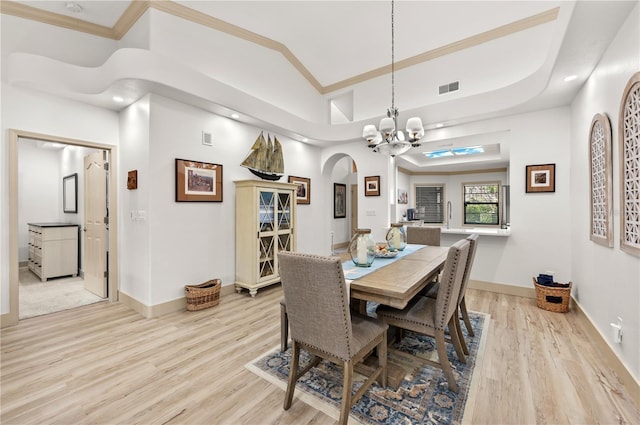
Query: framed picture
x=403 y=196
x=372 y=186
x=303 y=193
x=70 y=194
x=541 y=178
x=198 y=181
x=132 y=179
x=339 y=200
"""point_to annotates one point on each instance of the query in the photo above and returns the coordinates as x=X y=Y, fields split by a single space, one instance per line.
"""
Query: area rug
x=422 y=398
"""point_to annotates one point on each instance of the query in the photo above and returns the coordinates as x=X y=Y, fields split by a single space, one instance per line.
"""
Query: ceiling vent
x=447 y=88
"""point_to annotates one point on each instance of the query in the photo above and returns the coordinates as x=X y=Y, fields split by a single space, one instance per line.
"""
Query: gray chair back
x=317 y=302
x=473 y=244
x=423 y=235
x=451 y=282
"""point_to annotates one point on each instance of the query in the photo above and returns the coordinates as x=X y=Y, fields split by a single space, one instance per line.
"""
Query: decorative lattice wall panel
x=601 y=180
x=629 y=138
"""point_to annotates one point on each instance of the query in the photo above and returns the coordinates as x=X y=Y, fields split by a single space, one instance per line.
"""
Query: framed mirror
x=70 y=193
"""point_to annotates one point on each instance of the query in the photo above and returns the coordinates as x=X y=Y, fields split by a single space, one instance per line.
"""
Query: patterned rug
x=422 y=398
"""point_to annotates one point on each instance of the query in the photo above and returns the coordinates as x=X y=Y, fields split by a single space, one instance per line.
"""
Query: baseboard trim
x=152 y=311
x=610 y=357
x=500 y=288
x=340 y=245
x=7 y=320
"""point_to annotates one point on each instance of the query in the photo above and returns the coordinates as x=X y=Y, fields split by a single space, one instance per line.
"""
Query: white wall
x=41 y=113
x=238 y=63
x=39 y=190
x=606 y=280
x=183 y=243
x=133 y=235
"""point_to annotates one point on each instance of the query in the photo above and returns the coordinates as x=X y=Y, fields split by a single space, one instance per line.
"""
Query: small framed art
x=339 y=200
x=541 y=178
x=198 y=181
x=372 y=186
x=132 y=179
x=303 y=192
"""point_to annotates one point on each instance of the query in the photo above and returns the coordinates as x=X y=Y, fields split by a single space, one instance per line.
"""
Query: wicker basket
x=204 y=295
x=552 y=299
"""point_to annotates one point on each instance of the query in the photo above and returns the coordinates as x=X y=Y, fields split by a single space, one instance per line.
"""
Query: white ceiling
x=338 y=40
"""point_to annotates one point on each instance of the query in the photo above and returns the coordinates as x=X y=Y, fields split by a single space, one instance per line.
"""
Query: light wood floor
x=105 y=364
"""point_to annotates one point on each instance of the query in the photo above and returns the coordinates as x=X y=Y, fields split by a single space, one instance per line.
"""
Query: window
x=481 y=203
x=429 y=205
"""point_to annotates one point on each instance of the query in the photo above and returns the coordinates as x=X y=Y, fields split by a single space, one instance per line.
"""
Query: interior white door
x=95 y=223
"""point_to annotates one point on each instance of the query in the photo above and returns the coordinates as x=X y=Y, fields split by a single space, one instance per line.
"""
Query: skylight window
x=439 y=154
x=470 y=150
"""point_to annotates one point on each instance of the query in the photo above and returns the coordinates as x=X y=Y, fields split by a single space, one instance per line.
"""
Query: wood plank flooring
x=105 y=364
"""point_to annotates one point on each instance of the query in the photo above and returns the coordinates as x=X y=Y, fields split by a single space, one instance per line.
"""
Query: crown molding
x=139 y=7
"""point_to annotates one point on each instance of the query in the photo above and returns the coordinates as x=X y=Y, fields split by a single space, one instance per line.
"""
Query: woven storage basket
x=552 y=299
x=204 y=295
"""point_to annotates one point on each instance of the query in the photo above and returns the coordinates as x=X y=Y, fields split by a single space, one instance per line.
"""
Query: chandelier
x=389 y=140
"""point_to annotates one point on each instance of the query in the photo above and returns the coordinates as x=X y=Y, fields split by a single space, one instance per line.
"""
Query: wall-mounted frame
x=629 y=147
x=198 y=181
x=600 y=179
x=70 y=194
x=403 y=196
x=132 y=180
x=541 y=178
x=303 y=192
x=372 y=186
x=339 y=200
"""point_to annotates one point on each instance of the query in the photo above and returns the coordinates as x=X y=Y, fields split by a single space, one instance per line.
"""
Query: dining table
x=397 y=280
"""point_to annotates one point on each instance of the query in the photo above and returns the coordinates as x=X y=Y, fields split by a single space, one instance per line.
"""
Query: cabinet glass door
x=267 y=267
x=266 y=207
x=284 y=210
x=266 y=239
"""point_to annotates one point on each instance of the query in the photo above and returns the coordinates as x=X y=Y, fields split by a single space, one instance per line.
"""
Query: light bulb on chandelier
x=389 y=140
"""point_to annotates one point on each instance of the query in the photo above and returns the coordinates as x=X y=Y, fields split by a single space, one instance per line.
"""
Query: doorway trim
x=12 y=318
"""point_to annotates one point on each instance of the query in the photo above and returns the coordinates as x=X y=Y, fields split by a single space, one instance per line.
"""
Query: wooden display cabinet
x=265 y=225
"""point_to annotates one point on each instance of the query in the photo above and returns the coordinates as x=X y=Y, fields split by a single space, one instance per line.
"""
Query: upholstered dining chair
x=462 y=313
x=320 y=321
x=423 y=235
x=432 y=317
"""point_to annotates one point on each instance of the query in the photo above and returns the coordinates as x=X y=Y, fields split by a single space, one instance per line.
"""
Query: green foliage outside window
x=481 y=203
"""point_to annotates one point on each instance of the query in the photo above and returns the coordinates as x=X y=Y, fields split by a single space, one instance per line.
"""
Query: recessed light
x=439 y=125
x=235 y=116
x=118 y=99
x=570 y=78
x=305 y=140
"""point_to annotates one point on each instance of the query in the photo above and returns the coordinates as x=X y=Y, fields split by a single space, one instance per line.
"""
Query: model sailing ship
x=265 y=159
